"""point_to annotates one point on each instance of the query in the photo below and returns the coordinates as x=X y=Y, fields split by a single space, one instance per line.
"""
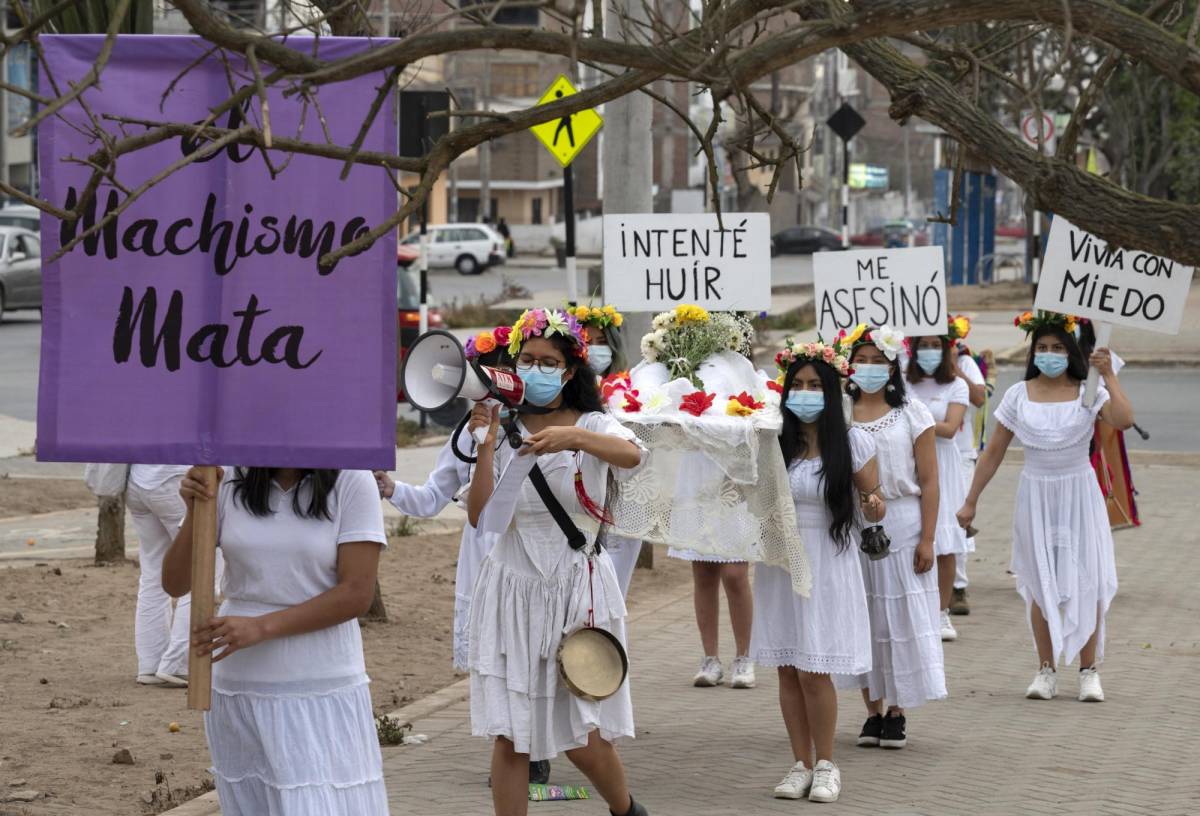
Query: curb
x=208 y=805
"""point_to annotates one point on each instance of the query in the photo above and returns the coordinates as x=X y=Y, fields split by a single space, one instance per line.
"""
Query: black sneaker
x=959 y=605
x=634 y=810
x=871 y=731
x=539 y=772
x=893 y=732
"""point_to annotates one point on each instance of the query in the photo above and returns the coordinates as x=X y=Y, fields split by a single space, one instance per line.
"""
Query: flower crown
x=957 y=328
x=600 y=317
x=487 y=341
x=1029 y=322
x=836 y=354
x=884 y=338
x=544 y=323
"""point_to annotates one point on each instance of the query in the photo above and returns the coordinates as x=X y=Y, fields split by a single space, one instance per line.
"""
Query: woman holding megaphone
x=545 y=575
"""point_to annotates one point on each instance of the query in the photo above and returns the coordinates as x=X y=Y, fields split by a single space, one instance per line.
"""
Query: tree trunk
x=110 y=530
x=377 y=612
x=645 y=557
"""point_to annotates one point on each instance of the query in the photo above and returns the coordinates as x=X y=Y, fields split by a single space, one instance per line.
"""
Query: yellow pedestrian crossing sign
x=566 y=136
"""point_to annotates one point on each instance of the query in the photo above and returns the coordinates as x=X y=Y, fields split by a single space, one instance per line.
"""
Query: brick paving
x=987 y=750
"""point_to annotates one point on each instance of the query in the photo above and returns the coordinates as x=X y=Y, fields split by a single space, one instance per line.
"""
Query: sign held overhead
x=654 y=262
x=901 y=288
x=1086 y=276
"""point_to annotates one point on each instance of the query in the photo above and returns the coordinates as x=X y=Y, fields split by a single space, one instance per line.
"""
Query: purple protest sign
x=197 y=327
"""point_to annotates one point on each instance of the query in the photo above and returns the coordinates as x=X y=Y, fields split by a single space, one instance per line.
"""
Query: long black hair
x=833 y=439
x=893 y=392
x=580 y=392
x=942 y=375
x=1077 y=367
x=252 y=488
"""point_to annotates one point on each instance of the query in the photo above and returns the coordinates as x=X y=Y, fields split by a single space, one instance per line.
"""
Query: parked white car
x=20 y=270
x=468 y=248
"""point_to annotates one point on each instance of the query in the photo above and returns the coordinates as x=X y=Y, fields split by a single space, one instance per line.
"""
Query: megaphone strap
x=575 y=539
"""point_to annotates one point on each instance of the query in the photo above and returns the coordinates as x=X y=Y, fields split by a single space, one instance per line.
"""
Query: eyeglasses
x=546 y=365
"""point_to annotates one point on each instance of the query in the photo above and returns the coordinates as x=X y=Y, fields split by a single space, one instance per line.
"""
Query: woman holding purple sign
x=291 y=729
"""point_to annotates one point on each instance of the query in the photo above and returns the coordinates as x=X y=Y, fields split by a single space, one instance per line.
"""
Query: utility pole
x=485 y=149
x=628 y=163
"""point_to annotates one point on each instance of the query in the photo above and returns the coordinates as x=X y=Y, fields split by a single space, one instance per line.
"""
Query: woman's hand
x=193 y=487
x=966 y=514
x=923 y=557
x=552 y=440
x=387 y=487
x=485 y=416
x=231 y=634
x=1101 y=360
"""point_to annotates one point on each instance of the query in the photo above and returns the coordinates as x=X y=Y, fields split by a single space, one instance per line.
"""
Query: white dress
x=907 y=668
x=950 y=538
x=1062 y=543
x=450 y=474
x=624 y=552
x=532 y=589
x=291 y=729
x=829 y=632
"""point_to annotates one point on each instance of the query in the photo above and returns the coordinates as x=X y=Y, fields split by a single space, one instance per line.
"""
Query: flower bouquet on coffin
x=715 y=480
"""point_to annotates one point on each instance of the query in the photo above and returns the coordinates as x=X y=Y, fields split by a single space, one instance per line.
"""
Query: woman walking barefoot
x=533 y=586
x=933 y=379
x=809 y=639
x=291 y=730
x=902 y=592
x=1062 y=543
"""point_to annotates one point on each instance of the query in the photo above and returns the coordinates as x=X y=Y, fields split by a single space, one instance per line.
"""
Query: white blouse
x=1049 y=426
x=449 y=476
x=938 y=397
x=895 y=433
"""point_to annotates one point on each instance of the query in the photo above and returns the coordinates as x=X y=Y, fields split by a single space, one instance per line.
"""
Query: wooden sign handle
x=204 y=557
x=1103 y=335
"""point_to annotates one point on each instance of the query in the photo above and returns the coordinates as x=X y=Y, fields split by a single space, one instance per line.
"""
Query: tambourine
x=592 y=663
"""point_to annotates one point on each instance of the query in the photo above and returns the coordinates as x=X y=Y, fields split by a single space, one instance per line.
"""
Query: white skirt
x=471 y=552
x=907 y=668
x=1063 y=551
x=827 y=633
x=287 y=733
x=624 y=553
x=692 y=555
x=950 y=538
x=518 y=619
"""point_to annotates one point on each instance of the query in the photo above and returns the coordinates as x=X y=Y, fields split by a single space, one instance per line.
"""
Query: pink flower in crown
x=539 y=320
x=811 y=350
x=828 y=354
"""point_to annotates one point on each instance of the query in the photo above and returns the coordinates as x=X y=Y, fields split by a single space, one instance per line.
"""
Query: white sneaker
x=149 y=680
x=826 y=782
x=1044 y=685
x=711 y=673
x=173 y=680
x=743 y=673
x=796 y=784
x=1089 y=686
x=949 y=633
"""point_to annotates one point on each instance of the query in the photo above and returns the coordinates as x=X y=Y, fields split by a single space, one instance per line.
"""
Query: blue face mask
x=929 y=359
x=599 y=358
x=540 y=388
x=871 y=378
x=805 y=405
x=1050 y=364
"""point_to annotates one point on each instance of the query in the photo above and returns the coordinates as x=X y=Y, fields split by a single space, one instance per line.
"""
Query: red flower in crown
x=502 y=334
x=747 y=401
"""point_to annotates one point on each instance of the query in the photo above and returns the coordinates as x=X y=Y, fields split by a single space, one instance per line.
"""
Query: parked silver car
x=20 y=269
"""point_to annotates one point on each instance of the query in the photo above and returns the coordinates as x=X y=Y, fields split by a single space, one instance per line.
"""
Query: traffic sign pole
x=569 y=225
x=846 y=194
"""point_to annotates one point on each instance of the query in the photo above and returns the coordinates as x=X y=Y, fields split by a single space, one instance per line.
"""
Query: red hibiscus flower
x=502 y=335
x=613 y=383
x=748 y=401
x=696 y=403
x=774 y=386
x=631 y=405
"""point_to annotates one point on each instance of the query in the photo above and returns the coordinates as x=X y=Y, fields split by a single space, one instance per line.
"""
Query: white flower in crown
x=889 y=341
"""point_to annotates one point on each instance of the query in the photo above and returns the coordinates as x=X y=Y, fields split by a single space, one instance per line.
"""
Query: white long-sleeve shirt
x=450 y=474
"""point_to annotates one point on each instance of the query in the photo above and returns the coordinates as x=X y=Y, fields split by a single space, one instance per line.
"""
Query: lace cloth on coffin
x=714 y=484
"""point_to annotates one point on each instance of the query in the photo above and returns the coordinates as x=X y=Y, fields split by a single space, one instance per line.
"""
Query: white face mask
x=600 y=358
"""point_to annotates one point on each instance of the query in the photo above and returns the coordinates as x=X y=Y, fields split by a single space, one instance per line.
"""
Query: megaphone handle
x=480 y=434
x=1103 y=335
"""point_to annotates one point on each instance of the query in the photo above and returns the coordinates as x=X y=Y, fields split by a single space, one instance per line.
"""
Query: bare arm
x=614 y=450
x=483 y=479
x=866 y=481
x=1118 y=411
x=927 y=477
x=977 y=393
x=949 y=427
x=985 y=469
x=357 y=566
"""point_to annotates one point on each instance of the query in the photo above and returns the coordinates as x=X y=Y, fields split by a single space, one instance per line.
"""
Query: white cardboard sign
x=903 y=288
x=1082 y=275
x=656 y=261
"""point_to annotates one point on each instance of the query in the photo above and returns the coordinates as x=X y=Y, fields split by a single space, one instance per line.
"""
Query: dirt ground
x=28 y=497
x=1011 y=296
x=69 y=704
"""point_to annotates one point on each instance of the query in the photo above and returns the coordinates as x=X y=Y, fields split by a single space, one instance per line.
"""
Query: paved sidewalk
x=714 y=752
